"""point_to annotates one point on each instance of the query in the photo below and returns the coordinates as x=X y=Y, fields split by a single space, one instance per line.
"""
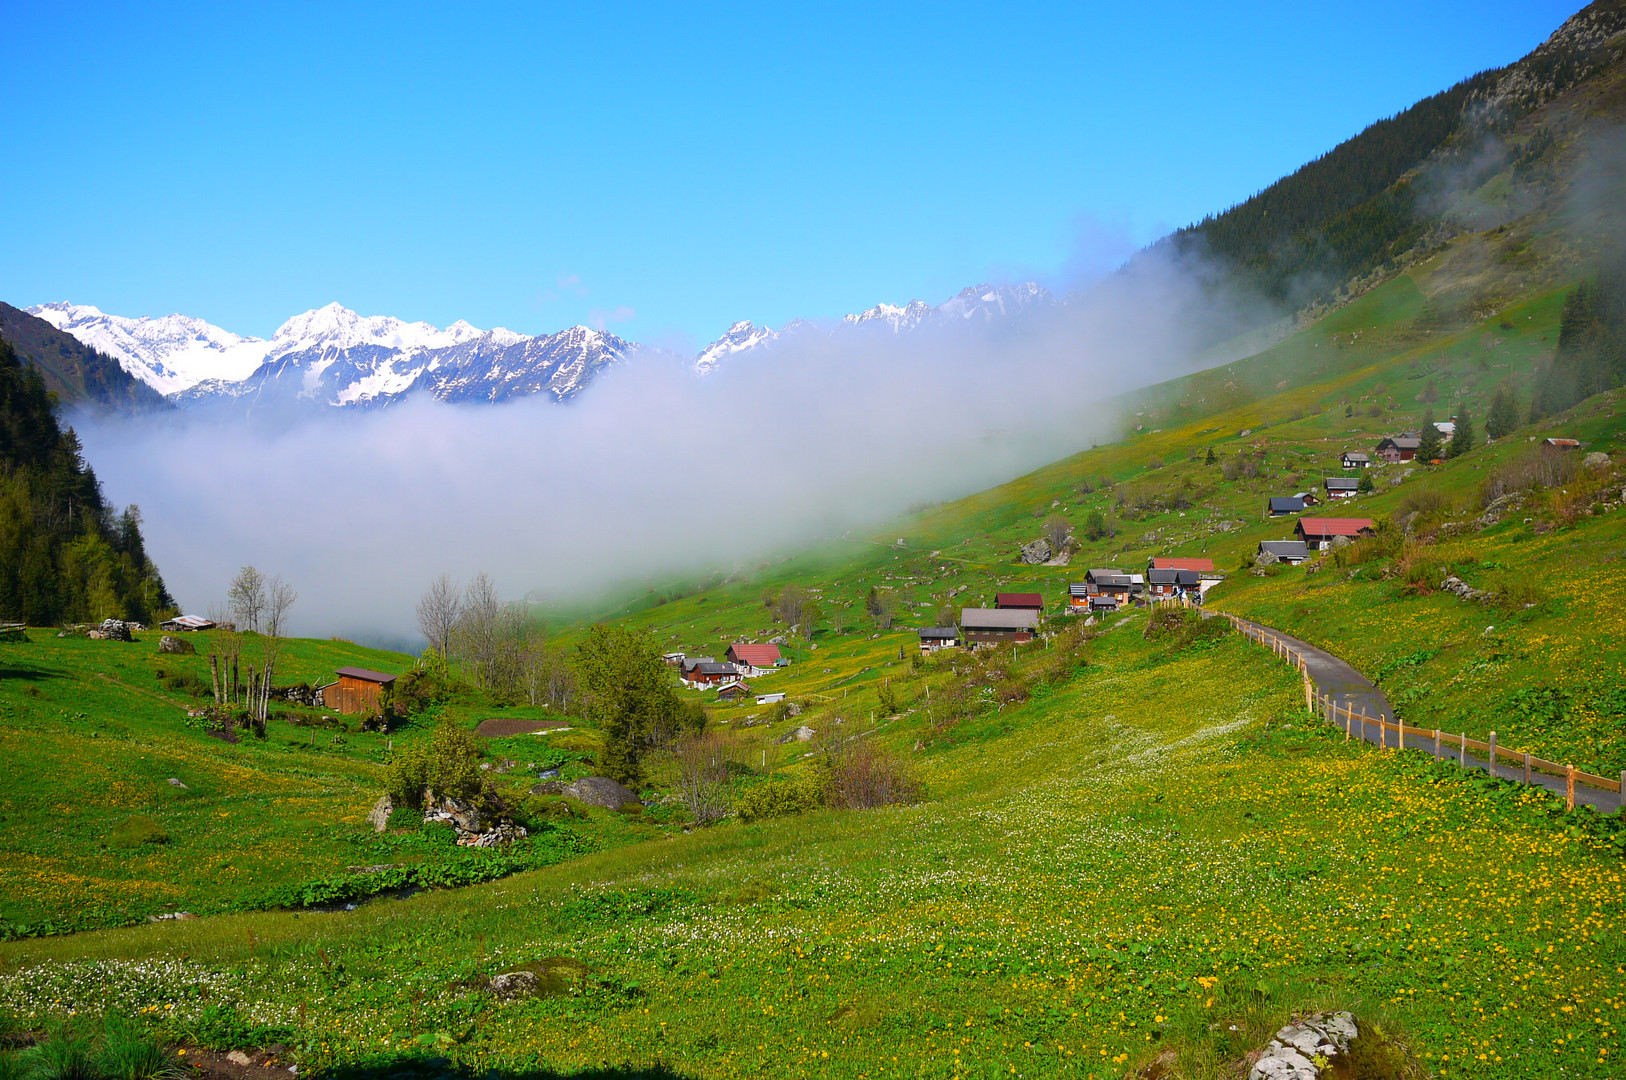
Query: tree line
x=1591 y=353
x=65 y=554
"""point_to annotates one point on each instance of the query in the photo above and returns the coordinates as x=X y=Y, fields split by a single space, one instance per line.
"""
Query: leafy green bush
x=134 y=832
x=449 y=766
x=404 y=817
x=775 y=797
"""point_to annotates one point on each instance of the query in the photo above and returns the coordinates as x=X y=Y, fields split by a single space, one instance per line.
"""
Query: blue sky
x=663 y=170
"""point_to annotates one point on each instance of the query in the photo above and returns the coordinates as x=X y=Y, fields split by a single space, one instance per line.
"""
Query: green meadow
x=1130 y=842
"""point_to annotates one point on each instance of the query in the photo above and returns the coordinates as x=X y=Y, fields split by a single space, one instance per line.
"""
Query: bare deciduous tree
x=1056 y=530
x=702 y=775
x=476 y=636
x=438 y=611
x=789 y=604
x=279 y=597
x=246 y=598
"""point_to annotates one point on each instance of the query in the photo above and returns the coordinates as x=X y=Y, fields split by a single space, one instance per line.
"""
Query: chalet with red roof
x=753 y=660
x=1318 y=533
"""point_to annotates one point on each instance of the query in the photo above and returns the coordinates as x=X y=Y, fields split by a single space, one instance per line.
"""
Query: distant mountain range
x=334 y=357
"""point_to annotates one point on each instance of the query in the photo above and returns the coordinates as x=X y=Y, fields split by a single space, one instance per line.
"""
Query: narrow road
x=1354 y=691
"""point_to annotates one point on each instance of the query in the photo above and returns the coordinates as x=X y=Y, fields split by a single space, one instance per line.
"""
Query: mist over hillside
x=654 y=471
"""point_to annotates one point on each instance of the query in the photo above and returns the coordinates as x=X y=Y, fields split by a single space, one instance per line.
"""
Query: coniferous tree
x=64 y=554
x=1429 y=443
x=1210 y=459
x=626 y=689
x=1462 y=438
x=1503 y=416
x=1366 y=483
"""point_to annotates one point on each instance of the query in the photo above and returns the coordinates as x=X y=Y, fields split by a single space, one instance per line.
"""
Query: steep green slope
x=1397 y=187
x=64 y=555
x=74 y=372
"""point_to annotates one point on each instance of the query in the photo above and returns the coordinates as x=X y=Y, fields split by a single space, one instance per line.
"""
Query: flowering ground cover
x=1160 y=846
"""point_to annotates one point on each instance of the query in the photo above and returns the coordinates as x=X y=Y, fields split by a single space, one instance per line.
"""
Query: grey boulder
x=601 y=791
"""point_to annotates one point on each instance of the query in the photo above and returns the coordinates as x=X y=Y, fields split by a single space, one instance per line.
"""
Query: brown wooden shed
x=357 y=691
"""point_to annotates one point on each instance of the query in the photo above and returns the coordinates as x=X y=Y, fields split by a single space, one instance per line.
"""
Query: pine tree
x=1503 y=416
x=1430 y=394
x=1210 y=459
x=628 y=693
x=1462 y=439
x=1366 y=484
x=1429 y=443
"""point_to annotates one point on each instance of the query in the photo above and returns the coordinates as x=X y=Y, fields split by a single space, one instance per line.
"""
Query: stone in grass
x=556 y=976
x=1294 y=1052
x=601 y=791
x=379 y=816
x=237 y=1057
x=175 y=645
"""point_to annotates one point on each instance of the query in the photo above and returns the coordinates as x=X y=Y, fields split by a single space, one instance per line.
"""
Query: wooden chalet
x=1398 y=448
x=734 y=691
x=1117 y=585
x=1173 y=584
x=1341 y=487
x=933 y=638
x=1354 y=459
x=754 y=659
x=1019 y=601
x=709 y=672
x=1284 y=505
x=771 y=699
x=995 y=626
x=1318 y=533
x=357 y=690
x=1292 y=552
x=672 y=659
x=1560 y=444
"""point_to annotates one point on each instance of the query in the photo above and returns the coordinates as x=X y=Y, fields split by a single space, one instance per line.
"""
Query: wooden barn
x=357 y=691
x=1019 y=601
x=992 y=626
x=1319 y=533
x=1398 y=448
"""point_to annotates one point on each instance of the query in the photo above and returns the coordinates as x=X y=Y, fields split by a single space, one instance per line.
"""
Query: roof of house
x=1318 y=526
x=1283 y=549
x=1205 y=565
x=696 y=661
x=1078 y=588
x=735 y=688
x=197 y=622
x=709 y=667
x=1108 y=577
x=1172 y=577
x=999 y=618
x=755 y=655
x=1356 y=455
x=939 y=632
x=1103 y=601
x=1568 y=444
x=365 y=675
x=1402 y=442
x=1342 y=483
x=1019 y=600
x=1287 y=504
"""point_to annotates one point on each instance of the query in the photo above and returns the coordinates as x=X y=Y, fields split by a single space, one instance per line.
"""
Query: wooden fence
x=1355 y=721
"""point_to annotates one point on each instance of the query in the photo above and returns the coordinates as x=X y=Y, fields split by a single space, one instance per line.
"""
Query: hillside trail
x=1349 y=689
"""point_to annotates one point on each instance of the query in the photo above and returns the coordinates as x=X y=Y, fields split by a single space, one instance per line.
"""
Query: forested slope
x=64 y=553
x=72 y=370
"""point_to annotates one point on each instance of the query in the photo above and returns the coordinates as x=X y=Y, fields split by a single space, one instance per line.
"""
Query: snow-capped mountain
x=977 y=304
x=169 y=354
x=333 y=356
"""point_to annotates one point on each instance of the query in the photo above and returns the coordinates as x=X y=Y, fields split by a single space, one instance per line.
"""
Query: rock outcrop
x=379 y=816
x=1297 y=1048
x=601 y=791
x=176 y=646
x=1039 y=551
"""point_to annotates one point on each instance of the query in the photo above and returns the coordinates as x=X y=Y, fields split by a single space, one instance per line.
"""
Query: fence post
x=1527 y=766
x=1493 y=754
x=1349 y=721
x=1569 y=787
x=1383 y=730
x=1623 y=790
x=1436 y=743
x=1462 y=753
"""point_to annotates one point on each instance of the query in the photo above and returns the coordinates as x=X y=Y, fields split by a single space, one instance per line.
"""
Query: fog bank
x=651 y=470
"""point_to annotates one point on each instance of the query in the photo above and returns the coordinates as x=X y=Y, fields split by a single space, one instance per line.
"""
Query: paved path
x=1349 y=689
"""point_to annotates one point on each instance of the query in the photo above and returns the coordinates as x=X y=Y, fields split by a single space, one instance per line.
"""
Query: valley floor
x=1138 y=859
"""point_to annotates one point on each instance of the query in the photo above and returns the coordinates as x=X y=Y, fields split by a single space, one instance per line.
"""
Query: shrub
x=64 y=1054
x=135 y=832
x=774 y=797
x=860 y=775
x=418 y=690
x=404 y=817
x=1536 y=469
x=449 y=766
x=127 y=1051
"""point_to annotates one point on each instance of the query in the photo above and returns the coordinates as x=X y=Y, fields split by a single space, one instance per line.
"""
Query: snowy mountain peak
x=741 y=336
x=169 y=353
